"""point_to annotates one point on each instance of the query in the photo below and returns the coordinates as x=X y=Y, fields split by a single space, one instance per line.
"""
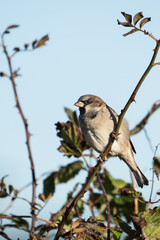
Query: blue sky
x=86 y=53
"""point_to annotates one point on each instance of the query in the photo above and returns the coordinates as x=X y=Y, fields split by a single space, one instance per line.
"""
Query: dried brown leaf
x=3 y=74
x=12 y=26
x=26 y=46
x=16 y=49
x=144 y=21
x=137 y=17
x=130 y=32
x=127 y=16
x=124 y=24
x=34 y=43
x=41 y=42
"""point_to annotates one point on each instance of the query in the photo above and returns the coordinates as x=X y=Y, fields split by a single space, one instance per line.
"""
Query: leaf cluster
x=132 y=24
x=73 y=142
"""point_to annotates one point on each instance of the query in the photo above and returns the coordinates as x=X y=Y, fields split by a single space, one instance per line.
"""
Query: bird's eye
x=86 y=102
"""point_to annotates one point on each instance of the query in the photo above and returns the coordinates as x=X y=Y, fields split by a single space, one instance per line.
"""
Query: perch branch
x=132 y=98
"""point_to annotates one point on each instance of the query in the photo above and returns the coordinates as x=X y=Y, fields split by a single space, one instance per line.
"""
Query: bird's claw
x=115 y=135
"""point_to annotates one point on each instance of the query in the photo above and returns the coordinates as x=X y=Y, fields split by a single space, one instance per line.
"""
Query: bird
x=98 y=121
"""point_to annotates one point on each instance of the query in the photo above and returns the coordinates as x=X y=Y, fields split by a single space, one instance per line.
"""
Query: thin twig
x=28 y=135
x=144 y=121
x=5 y=235
x=24 y=216
x=135 y=199
x=150 y=197
x=23 y=188
x=148 y=139
x=107 y=203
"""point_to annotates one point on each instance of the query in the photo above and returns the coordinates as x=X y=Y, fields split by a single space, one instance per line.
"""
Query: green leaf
x=137 y=17
x=19 y=223
x=156 y=165
x=130 y=32
x=62 y=176
x=128 y=17
x=73 y=142
x=116 y=234
x=49 y=186
x=144 y=21
x=72 y=115
x=125 y=227
x=152 y=228
x=68 y=172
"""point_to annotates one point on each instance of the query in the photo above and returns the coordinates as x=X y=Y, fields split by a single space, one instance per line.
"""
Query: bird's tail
x=140 y=178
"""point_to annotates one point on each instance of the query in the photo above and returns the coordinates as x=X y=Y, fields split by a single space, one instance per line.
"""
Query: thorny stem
x=131 y=99
x=77 y=197
x=28 y=135
x=104 y=193
x=108 y=206
x=108 y=148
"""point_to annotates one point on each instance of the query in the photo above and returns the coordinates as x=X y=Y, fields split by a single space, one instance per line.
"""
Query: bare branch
x=144 y=121
x=28 y=135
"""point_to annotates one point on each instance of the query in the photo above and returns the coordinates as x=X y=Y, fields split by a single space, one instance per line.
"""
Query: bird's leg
x=114 y=135
x=100 y=157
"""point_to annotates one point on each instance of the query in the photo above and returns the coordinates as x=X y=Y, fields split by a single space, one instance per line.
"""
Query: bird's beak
x=79 y=104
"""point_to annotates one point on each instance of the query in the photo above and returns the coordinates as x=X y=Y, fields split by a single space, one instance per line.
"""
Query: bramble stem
x=28 y=135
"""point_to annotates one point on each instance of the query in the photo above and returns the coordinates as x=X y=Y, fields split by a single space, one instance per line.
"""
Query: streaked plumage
x=97 y=121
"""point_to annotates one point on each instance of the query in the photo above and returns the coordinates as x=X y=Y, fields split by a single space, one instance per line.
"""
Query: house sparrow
x=98 y=121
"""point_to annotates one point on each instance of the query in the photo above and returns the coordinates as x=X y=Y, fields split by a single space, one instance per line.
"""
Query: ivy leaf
x=130 y=32
x=128 y=17
x=137 y=17
x=73 y=142
x=72 y=115
x=144 y=21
